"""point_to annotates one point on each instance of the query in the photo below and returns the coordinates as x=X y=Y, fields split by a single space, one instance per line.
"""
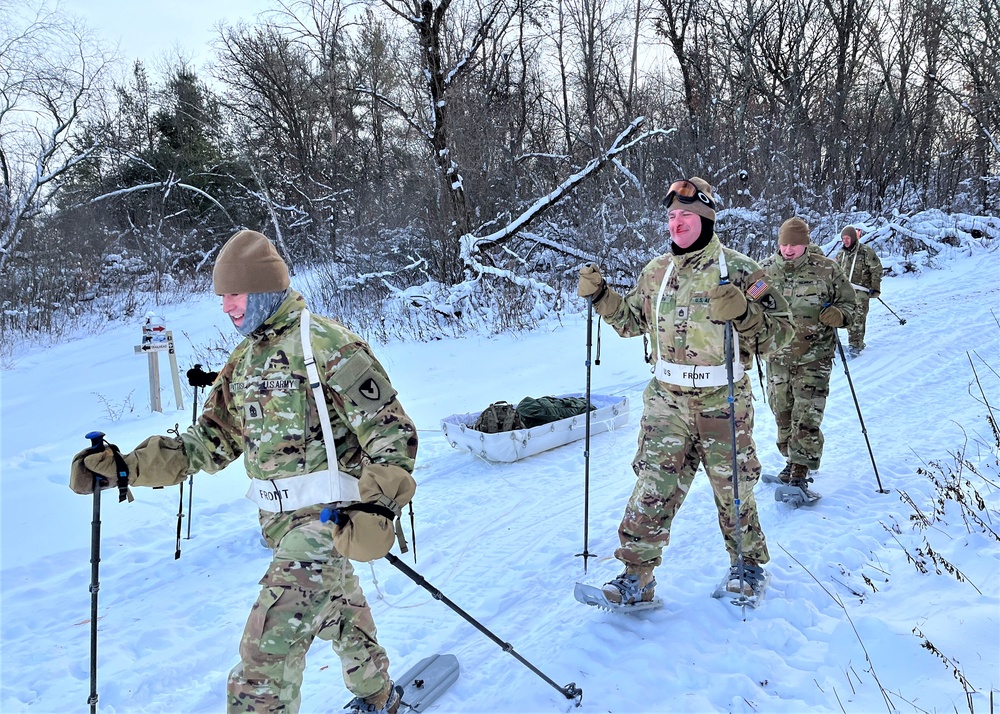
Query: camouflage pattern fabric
x=865 y=271
x=797 y=395
x=809 y=283
x=308 y=591
x=685 y=333
x=261 y=407
x=682 y=426
x=798 y=375
x=856 y=330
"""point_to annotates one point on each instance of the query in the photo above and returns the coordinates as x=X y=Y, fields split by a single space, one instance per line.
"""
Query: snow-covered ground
x=842 y=629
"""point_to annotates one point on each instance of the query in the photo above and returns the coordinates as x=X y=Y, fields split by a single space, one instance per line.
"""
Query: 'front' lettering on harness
x=273 y=495
x=696 y=375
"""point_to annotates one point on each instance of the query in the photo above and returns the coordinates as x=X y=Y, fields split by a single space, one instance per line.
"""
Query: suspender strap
x=383 y=506
x=658 y=364
x=317 y=390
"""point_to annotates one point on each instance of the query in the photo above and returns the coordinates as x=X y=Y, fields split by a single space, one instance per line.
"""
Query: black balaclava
x=260 y=306
x=707 y=231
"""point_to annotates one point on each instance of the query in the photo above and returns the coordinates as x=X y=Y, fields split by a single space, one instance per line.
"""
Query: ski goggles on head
x=686 y=192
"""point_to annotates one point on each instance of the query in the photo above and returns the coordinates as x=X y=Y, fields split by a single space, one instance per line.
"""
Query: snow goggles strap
x=686 y=192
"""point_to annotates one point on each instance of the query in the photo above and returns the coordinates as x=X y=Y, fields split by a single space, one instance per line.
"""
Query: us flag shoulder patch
x=757 y=289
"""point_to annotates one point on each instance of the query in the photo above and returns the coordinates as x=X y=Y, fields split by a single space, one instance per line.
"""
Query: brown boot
x=799 y=476
x=754 y=578
x=785 y=474
x=385 y=702
x=635 y=584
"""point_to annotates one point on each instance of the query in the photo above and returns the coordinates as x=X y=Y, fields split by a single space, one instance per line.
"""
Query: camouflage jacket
x=685 y=333
x=809 y=283
x=861 y=266
x=261 y=406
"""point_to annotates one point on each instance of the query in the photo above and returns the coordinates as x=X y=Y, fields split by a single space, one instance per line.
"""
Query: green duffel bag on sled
x=535 y=411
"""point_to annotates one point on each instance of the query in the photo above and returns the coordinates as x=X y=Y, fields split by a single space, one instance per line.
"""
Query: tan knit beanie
x=794 y=231
x=696 y=206
x=249 y=263
x=850 y=231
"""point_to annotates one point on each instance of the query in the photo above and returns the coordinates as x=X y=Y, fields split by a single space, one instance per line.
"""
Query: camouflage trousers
x=797 y=395
x=308 y=591
x=681 y=428
x=856 y=330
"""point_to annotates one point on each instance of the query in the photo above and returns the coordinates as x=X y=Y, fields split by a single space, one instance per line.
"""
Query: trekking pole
x=857 y=406
x=97 y=445
x=197 y=377
x=180 y=519
x=194 y=420
x=570 y=691
x=586 y=449
x=901 y=320
x=742 y=599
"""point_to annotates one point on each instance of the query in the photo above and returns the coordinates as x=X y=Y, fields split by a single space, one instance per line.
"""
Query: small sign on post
x=155 y=339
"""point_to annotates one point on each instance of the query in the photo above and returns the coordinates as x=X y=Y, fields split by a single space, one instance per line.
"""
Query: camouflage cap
x=249 y=263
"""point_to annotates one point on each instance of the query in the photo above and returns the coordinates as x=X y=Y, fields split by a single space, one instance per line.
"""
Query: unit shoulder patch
x=362 y=383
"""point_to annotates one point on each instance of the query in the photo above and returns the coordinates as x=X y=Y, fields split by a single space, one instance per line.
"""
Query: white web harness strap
x=329 y=486
x=686 y=375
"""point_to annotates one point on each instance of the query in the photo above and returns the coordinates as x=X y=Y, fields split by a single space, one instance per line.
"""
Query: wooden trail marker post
x=157 y=338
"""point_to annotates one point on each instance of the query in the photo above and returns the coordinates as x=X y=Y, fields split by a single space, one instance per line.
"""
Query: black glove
x=197 y=377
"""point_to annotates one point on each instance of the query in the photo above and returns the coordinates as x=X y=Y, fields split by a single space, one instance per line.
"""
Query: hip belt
x=689 y=375
x=281 y=495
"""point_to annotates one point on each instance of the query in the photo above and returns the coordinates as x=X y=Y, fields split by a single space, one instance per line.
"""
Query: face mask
x=260 y=306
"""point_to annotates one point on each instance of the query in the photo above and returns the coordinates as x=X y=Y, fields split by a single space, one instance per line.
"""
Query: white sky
x=154 y=30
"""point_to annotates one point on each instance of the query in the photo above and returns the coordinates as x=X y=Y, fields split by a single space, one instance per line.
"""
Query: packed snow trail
x=500 y=540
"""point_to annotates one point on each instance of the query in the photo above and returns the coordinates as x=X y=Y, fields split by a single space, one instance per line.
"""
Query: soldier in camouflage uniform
x=264 y=407
x=680 y=301
x=798 y=375
x=864 y=271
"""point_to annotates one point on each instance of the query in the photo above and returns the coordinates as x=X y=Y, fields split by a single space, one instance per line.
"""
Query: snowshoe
x=417 y=689
x=796 y=492
x=629 y=592
x=755 y=581
x=796 y=495
x=590 y=595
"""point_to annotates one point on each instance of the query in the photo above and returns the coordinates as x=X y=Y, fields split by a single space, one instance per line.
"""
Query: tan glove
x=833 y=316
x=368 y=536
x=606 y=301
x=726 y=302
x=89 y=464
x=591 y=281
x=157 y=461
